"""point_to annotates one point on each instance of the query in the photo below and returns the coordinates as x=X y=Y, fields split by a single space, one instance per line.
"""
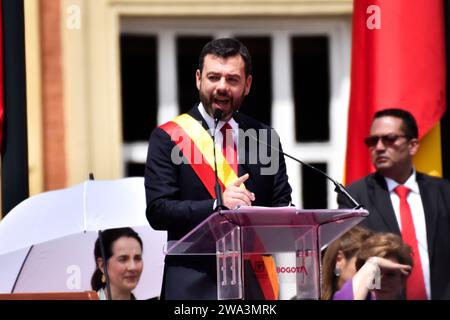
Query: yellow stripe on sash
x=203 y=141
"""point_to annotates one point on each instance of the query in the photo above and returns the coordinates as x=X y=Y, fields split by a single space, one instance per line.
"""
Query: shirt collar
x=411 y=183
x=210 y=121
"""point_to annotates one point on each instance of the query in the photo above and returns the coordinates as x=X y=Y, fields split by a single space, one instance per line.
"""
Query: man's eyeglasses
x=388 y=140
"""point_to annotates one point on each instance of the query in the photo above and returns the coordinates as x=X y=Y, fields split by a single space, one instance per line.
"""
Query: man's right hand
x=235 y=196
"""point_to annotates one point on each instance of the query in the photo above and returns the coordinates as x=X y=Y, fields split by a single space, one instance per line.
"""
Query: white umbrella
x=47 y=241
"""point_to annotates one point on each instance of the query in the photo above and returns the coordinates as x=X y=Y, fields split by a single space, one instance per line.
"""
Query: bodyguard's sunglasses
x=388 y=140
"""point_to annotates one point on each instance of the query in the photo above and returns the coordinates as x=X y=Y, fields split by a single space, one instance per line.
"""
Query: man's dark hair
x=409 y=123
x=224 y=48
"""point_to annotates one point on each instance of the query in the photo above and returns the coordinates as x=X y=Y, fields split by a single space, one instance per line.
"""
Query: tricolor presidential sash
x=196 y=145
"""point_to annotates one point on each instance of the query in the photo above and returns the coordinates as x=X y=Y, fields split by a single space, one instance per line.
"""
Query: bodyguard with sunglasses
x=407 y=202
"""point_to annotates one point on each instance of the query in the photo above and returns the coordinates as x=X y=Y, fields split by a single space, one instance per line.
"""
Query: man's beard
x=207 y=102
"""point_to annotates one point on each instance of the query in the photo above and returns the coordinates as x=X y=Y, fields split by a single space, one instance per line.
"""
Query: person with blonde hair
x=383 y=262
x=339 y=260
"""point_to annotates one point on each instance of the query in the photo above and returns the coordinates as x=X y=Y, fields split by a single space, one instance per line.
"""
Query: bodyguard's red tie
x=229 y=149
x=415 y=285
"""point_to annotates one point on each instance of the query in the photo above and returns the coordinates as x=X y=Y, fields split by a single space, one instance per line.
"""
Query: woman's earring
x=337 y=272
x=103 y=278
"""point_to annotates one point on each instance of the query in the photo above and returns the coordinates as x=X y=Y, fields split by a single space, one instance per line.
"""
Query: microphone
x=217 y=189
x=339 y=188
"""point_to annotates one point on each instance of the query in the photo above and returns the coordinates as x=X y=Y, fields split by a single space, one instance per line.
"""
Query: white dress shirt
x=418 y=216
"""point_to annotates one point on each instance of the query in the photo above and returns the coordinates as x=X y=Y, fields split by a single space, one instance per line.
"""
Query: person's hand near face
x=392 y=279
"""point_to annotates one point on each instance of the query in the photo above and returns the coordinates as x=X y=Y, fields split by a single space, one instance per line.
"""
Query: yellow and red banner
x=398 y=61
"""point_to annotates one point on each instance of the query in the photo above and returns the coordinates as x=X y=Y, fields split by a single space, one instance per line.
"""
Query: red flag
x=398 y=61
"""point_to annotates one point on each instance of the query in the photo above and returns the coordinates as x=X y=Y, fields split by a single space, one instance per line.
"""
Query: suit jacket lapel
x=429 y=196
x=381 y=200
x=194 y=113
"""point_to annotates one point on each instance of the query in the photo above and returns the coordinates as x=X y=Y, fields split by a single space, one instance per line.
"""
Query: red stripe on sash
x=202 y=168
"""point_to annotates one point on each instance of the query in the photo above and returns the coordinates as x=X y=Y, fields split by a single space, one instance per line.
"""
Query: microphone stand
x=338 y=187
x=217 y=188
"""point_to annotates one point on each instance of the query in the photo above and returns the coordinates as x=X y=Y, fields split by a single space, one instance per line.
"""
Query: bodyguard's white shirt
x=418 y=216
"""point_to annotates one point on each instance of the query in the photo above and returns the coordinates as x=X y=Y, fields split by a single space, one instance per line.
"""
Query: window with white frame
x=300 y=87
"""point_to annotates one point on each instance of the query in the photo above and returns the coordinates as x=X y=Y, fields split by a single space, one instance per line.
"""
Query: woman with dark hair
x=383 y=263
x=123 y=253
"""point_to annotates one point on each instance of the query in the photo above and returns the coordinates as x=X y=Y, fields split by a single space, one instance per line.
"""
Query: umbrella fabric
x=67 y=264
x=47 y=241
x=92 y=205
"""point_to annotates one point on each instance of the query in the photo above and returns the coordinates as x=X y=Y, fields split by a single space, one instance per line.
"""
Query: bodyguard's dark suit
x=372 y=192
x=177 y=201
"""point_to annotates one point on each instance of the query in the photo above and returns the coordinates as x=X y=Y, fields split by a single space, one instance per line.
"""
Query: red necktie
x=229 y=147
x=415 y=285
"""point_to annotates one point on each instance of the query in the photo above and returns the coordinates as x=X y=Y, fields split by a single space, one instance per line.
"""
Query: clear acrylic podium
x=292 y=236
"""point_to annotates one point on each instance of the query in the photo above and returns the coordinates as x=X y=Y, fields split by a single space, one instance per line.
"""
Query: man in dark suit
x=393 y=141
x=179 y=196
